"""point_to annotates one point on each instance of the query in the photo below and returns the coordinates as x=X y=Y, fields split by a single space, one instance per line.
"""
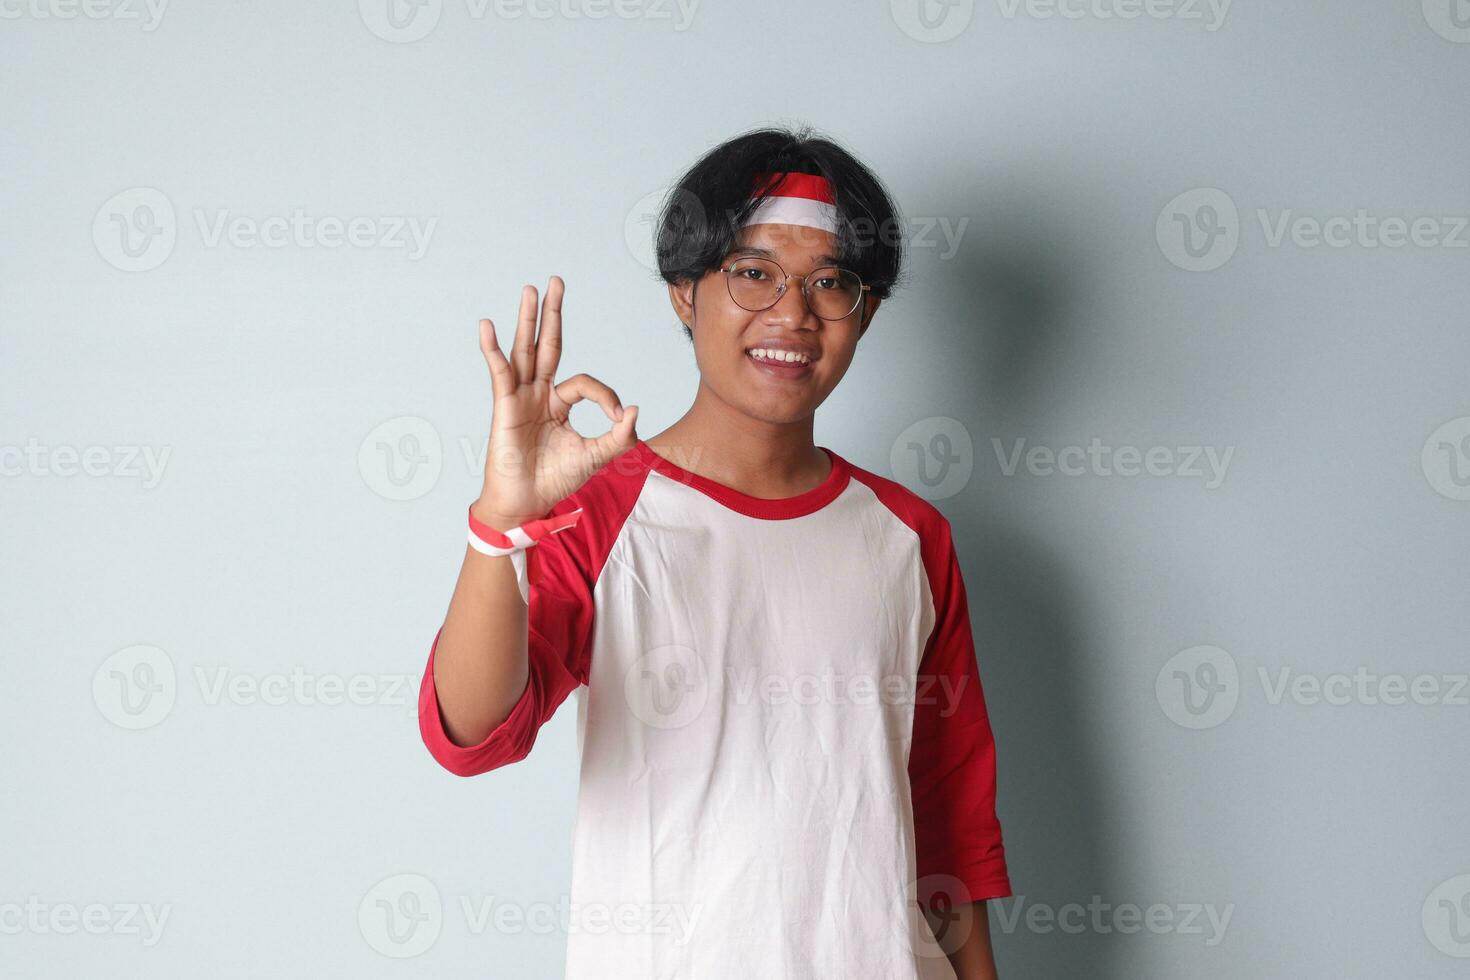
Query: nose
x=791 y=306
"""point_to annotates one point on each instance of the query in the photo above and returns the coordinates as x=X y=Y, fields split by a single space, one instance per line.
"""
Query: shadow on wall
x=1015 y=282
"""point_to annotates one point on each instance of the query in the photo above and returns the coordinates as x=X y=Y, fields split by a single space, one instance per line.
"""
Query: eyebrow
x=765 y=253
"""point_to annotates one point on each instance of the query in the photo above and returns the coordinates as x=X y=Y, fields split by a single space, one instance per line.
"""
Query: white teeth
x=779 y=355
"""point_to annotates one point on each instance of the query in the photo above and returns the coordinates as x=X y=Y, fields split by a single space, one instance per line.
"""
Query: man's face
x=726 y=333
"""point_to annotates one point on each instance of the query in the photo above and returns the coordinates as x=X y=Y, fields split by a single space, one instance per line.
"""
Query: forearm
x=480 y=664
x=533 y=459
x=964 y=935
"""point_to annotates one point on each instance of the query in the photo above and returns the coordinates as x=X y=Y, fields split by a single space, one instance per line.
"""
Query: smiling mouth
x=781 y=364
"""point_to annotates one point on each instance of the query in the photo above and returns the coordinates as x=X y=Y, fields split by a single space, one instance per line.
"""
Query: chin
x=764 y=413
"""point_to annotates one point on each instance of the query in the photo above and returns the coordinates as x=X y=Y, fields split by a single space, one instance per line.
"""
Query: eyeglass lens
x=755 y=284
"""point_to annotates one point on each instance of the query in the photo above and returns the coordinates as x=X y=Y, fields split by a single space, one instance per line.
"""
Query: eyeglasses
x=757 y=284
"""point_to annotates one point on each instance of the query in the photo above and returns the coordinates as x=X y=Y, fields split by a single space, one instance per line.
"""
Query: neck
x=755 y=456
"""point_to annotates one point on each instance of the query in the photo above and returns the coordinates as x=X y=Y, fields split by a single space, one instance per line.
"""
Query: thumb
x=617 y=440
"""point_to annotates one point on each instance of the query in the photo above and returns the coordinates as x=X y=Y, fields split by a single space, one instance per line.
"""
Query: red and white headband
x=794 y=199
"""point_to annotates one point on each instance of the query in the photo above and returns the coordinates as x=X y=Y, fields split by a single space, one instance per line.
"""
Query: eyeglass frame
x=787 y=277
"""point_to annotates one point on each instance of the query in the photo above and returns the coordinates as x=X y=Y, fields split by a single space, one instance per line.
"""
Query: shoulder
x=921 y=516
x=605 y=501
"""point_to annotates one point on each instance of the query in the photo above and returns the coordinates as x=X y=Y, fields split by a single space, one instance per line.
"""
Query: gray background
x=297 y=389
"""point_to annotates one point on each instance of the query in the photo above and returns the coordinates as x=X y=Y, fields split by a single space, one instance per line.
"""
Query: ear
x=870 y=307
x=681 y=297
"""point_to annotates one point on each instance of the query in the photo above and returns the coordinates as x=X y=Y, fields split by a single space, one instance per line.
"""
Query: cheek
x=717 y=348
x=837 y=357
x=834 y=366
x=717 y=335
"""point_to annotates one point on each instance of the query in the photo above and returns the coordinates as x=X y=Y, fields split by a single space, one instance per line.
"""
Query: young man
x=785 y=750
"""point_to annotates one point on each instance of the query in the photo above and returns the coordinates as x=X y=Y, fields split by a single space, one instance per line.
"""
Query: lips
x=778 y=368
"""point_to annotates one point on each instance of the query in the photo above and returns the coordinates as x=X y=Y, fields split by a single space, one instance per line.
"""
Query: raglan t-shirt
x=784 y=740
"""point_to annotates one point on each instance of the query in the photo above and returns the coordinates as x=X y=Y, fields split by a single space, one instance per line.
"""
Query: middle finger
x=523 y=353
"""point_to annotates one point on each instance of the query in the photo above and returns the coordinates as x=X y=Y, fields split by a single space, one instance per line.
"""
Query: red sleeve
x=556 y=579
x=952 y=758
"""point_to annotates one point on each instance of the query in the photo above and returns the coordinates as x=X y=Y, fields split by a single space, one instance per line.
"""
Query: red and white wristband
x=488 y=541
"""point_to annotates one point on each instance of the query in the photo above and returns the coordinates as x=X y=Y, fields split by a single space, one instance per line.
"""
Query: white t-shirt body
x=783 y=737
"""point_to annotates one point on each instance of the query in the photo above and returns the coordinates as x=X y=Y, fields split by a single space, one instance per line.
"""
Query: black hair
x=702 y=213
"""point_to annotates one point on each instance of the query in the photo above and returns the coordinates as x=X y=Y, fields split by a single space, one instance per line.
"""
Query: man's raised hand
x=534 y=458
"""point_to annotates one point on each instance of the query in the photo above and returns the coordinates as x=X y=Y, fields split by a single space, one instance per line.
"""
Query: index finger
x=502 y=378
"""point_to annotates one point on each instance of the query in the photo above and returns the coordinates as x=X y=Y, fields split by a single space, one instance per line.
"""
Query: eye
x=826 y=282
x=751 y=272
